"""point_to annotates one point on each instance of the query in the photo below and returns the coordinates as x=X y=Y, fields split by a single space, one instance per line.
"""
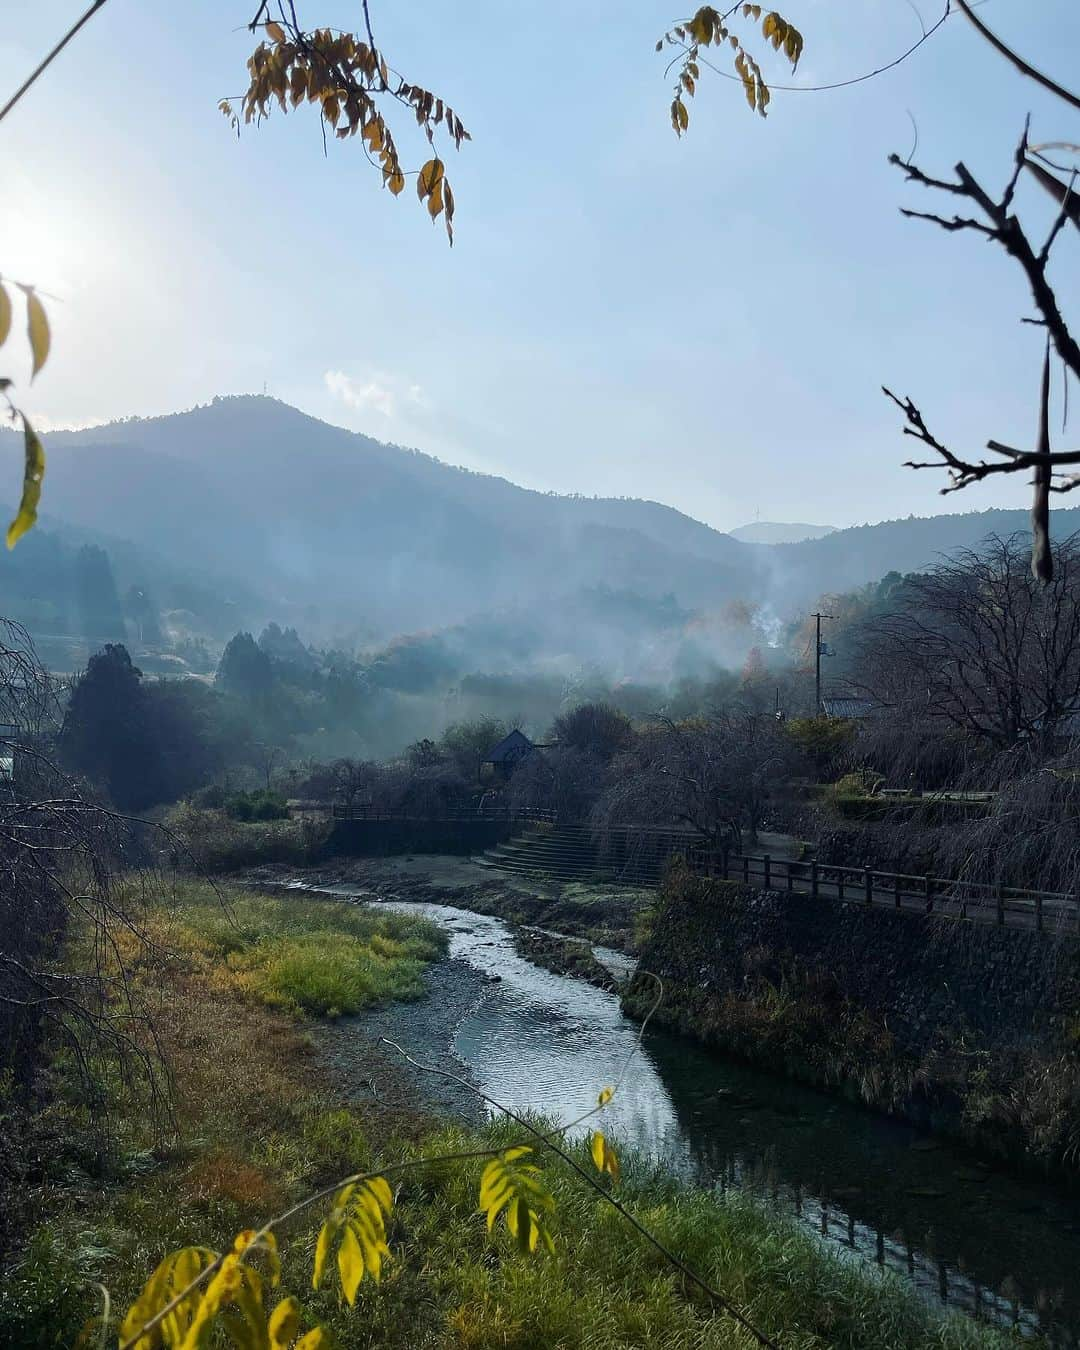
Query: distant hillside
x=330 y=519
x=247 y=510
x=865 y=553
x=779 y=532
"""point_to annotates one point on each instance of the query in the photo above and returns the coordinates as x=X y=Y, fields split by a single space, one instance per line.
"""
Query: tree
x=104 y=735
x=60 y=854
x=995 y=218
x=595 y=729
x=244 y=669
x=716 y=775
x=978 y=644
x=100 y=615
x=466 y=743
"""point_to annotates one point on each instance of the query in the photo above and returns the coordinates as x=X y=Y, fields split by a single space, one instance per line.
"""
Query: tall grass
x=605 y=1288
x=324 y=957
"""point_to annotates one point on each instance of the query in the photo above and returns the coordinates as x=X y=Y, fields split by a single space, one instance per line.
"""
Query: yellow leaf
x=519 y=1192
x=350 y=1264
x=431 y=174
x=171 y=1277
x=33 y=473
x=703 y=24
x=275 y=31
x=5 y=315
x=606 y=1095
x=37 y=328
x=373 y=134
x=604 y=1156
x=284 y=1324
x=314 y=1340
x=396 y=182
x=380 y=1189
x=322 y=1251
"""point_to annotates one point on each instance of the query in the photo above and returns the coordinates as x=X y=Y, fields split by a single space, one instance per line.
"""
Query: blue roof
x=510 y=747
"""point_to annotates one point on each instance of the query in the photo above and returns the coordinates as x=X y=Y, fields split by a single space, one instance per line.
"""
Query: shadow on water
x=1003 y=1249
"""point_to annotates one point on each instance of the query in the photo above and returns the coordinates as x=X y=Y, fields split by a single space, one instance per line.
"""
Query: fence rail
x=526 y=814
x=1005 y=906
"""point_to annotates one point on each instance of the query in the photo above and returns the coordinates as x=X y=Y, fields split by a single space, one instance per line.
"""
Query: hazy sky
x=706 y=322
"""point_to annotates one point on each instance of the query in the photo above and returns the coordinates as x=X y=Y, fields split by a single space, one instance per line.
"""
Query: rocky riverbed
x=356 y=1053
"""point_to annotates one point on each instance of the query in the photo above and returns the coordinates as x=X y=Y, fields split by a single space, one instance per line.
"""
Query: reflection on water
x=1001 y=1248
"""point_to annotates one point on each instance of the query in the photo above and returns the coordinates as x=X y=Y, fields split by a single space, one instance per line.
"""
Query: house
x=502 y=759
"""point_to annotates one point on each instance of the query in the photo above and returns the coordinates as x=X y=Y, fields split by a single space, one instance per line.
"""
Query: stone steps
x=568 y=853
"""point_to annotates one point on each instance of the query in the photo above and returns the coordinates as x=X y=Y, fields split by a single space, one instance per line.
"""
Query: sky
x=706 y=322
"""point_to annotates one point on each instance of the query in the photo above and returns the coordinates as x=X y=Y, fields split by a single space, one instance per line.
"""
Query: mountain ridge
x=347 y=531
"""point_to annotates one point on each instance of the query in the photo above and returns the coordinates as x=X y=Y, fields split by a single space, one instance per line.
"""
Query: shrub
x=211 y=841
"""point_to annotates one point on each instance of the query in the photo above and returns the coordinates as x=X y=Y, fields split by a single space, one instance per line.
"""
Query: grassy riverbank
x=257 y=1125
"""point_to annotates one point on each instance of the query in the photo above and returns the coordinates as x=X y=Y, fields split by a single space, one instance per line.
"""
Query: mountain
x=779 y=532
x=325 y=520
x=865 y=553
x=247 y=510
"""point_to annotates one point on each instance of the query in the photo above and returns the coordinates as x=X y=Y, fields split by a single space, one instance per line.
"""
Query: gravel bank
x=351 y=1049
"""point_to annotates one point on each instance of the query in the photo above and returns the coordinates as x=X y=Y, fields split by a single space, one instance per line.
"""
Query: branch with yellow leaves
x=344 y=75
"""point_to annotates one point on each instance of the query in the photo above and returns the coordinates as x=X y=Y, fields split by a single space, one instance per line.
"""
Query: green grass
x=324 y=957
x=260 y=1128
x=607 y=1289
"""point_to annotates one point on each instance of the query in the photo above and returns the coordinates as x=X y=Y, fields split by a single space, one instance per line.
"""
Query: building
x=502 y=759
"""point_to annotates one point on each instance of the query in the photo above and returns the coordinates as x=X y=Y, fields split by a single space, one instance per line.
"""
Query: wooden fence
x=1007 y=906
x=526 y=815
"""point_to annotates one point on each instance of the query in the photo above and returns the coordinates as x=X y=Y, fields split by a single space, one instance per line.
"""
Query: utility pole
x=817 y=660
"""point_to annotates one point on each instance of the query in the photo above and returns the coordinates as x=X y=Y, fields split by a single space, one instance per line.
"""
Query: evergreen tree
x=96 y=598
x=244 y=668
x=105 y=735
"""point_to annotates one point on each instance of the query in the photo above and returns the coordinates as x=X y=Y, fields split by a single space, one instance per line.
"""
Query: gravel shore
x=352 y=1052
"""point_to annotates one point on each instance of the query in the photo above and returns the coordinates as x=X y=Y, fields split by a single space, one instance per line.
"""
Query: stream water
x=1004 y=1249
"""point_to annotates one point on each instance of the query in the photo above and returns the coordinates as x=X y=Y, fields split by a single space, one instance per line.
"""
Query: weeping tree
x=60 y=857
x=981 y=647
x=716 y=775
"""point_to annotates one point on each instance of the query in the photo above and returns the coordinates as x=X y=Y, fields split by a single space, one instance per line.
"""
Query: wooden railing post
x=814 y=878
x=868 y=882
x=929 y=892
x=839 y=883
x=897 y=891
x=1038 y=912
x=999 y=895
x=766 y=872
x=746 y=869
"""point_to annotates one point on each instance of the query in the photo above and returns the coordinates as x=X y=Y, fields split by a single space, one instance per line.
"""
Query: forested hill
x=312 y=513
x=865 y=553
x=328 y=527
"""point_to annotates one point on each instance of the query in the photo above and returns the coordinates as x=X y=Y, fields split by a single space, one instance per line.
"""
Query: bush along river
x=1002 y=1248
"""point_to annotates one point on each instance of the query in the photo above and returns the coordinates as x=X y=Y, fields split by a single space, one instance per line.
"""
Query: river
x=1002 y=1248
